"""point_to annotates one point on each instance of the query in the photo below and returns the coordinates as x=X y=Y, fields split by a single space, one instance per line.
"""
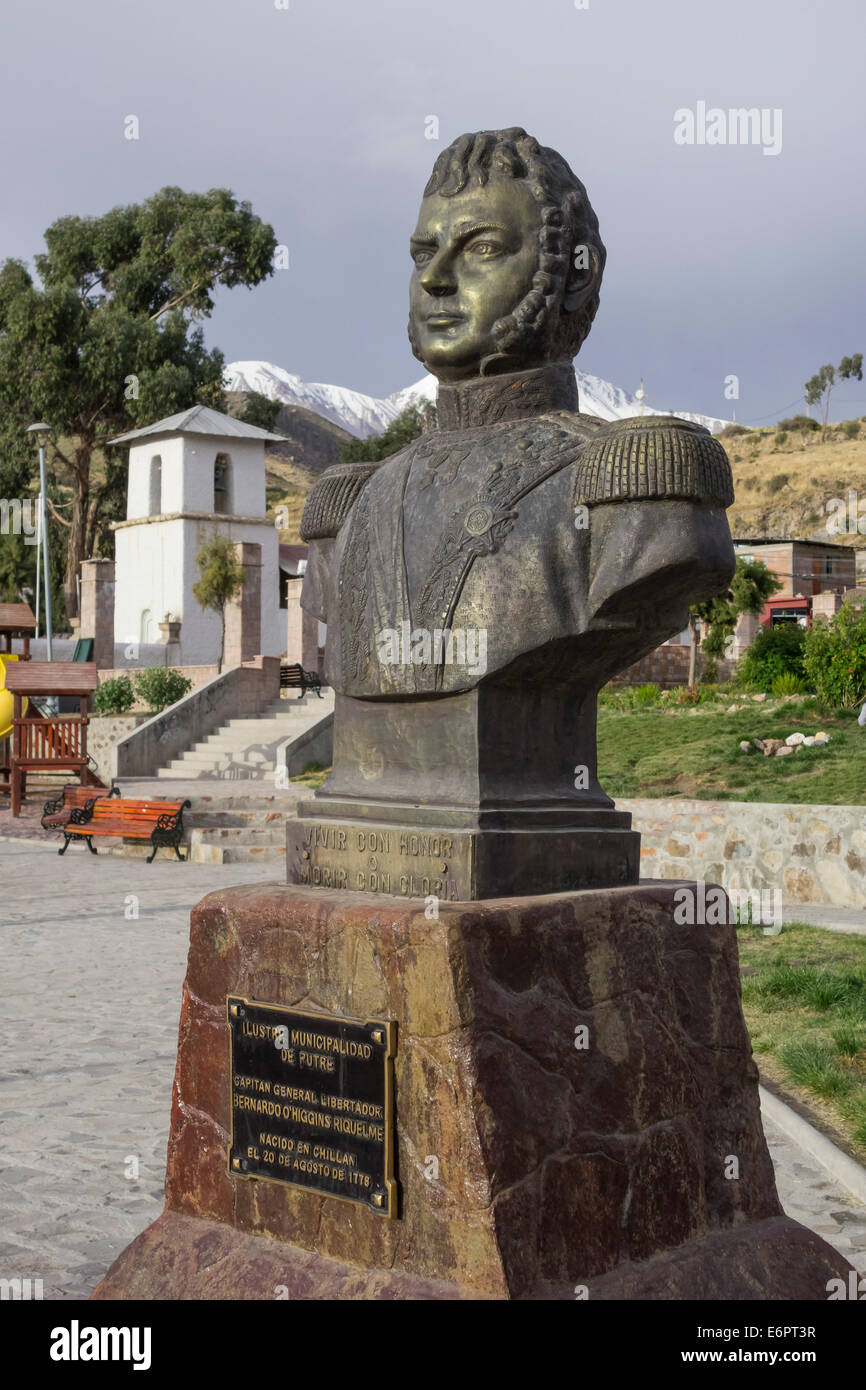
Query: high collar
x=485 y=400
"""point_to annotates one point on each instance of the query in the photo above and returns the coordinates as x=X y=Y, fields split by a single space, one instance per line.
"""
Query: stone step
x=190 y=773
x=234 y=819
x=236 y=854
x=240 y=835
x=256 y=726
x=219 y=806
x=253 y=757
x=266 y=738
x=217 y=775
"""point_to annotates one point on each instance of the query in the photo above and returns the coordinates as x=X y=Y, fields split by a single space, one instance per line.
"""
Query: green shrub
x=114 y=696
x=850 y=428
x=688 y=695
x=788 y=684
x=732 y=431
x=799 y=422
x=777 y=482
x=710 y=673
x=646 y=695
x=834 y=658
x=158 y=687
x=776 y=651
x=781 y=438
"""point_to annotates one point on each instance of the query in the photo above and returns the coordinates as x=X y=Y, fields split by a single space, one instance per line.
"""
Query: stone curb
x=832 y=1160
x=25 y=840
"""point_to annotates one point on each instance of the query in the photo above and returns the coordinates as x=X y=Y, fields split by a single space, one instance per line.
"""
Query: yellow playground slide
x=6 y=698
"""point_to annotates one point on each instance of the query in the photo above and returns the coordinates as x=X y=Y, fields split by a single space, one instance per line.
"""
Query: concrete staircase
x=251 y=748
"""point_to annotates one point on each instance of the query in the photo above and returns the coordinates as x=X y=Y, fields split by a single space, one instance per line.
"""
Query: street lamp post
x=41 y=430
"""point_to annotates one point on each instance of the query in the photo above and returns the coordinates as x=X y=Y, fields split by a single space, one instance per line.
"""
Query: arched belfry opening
x=222 y=483
x=154 y=506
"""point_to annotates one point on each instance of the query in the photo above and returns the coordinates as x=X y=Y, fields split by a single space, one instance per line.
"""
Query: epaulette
x=332 y=498
x=653 y=457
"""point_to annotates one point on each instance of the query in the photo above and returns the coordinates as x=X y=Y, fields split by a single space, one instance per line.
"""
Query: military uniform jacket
x=515 y=542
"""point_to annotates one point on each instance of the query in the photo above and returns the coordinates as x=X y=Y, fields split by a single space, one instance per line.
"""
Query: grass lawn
x=312 y=776
x=804 y=997
x=694 y=752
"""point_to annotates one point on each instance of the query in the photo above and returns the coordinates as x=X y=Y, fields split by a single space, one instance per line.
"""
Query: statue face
x=475 y=255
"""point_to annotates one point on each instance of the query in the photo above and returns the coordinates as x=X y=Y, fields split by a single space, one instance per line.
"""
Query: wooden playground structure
x=36 y=742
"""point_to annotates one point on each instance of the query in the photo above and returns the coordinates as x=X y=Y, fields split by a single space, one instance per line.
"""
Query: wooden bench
x=56 y=813
x=160 y=822
x=293 y=676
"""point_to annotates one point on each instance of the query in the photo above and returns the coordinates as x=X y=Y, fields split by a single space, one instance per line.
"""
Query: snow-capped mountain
x=364 y=415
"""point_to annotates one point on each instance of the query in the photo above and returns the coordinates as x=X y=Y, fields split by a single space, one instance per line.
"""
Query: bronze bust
x=480 y=586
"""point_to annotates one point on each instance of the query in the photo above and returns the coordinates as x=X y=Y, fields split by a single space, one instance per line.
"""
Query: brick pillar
x=302 y=633
x=747 y=629
x=97 y=609
x=825 y=605
x=244 y=613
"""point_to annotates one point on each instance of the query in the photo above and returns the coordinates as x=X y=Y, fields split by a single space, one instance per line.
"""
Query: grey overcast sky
x=721 y=259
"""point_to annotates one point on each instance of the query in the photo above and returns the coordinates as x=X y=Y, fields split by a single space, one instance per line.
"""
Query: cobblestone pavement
x=89 y=1031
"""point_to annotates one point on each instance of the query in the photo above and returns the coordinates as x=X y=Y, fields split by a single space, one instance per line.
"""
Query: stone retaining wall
x=667 y=666
x=814 y=854
x=199 y=675
x=104 y=732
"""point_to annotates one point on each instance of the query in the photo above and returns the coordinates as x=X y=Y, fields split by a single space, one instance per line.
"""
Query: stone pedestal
x=576 y=1105
x=487 y=794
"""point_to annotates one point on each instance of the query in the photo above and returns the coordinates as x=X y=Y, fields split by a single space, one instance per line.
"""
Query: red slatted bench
x=160 y=822
x=56 y=813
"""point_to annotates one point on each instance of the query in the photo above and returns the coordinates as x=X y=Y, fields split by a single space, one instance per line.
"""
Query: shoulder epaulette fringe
x=653 y=457
x=332 y=498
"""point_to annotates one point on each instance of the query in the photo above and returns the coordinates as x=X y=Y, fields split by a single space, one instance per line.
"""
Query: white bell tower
x=191 y=476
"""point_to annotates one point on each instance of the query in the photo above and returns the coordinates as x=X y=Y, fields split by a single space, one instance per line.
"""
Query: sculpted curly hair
x=540 y=324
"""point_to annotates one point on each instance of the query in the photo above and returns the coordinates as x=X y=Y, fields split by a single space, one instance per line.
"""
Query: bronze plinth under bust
x=482 y=585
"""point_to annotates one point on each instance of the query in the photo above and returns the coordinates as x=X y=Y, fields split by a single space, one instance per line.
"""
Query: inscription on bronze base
x=313 y=1101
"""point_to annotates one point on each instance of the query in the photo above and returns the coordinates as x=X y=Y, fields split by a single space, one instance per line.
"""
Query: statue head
x=508 y=259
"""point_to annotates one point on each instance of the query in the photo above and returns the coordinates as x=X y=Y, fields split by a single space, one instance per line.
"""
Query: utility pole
x=41 y=431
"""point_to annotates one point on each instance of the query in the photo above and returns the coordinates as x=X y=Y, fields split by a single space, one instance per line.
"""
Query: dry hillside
x=783 y=487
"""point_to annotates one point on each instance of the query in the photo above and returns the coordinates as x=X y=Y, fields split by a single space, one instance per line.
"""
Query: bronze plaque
x=313 y=1101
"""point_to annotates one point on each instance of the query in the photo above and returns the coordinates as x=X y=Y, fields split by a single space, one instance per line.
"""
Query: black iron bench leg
x=179 y=855
x=67 y=840
x=90 y=845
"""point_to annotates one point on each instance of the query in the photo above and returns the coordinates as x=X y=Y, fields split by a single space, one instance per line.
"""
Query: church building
x=192 y=476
